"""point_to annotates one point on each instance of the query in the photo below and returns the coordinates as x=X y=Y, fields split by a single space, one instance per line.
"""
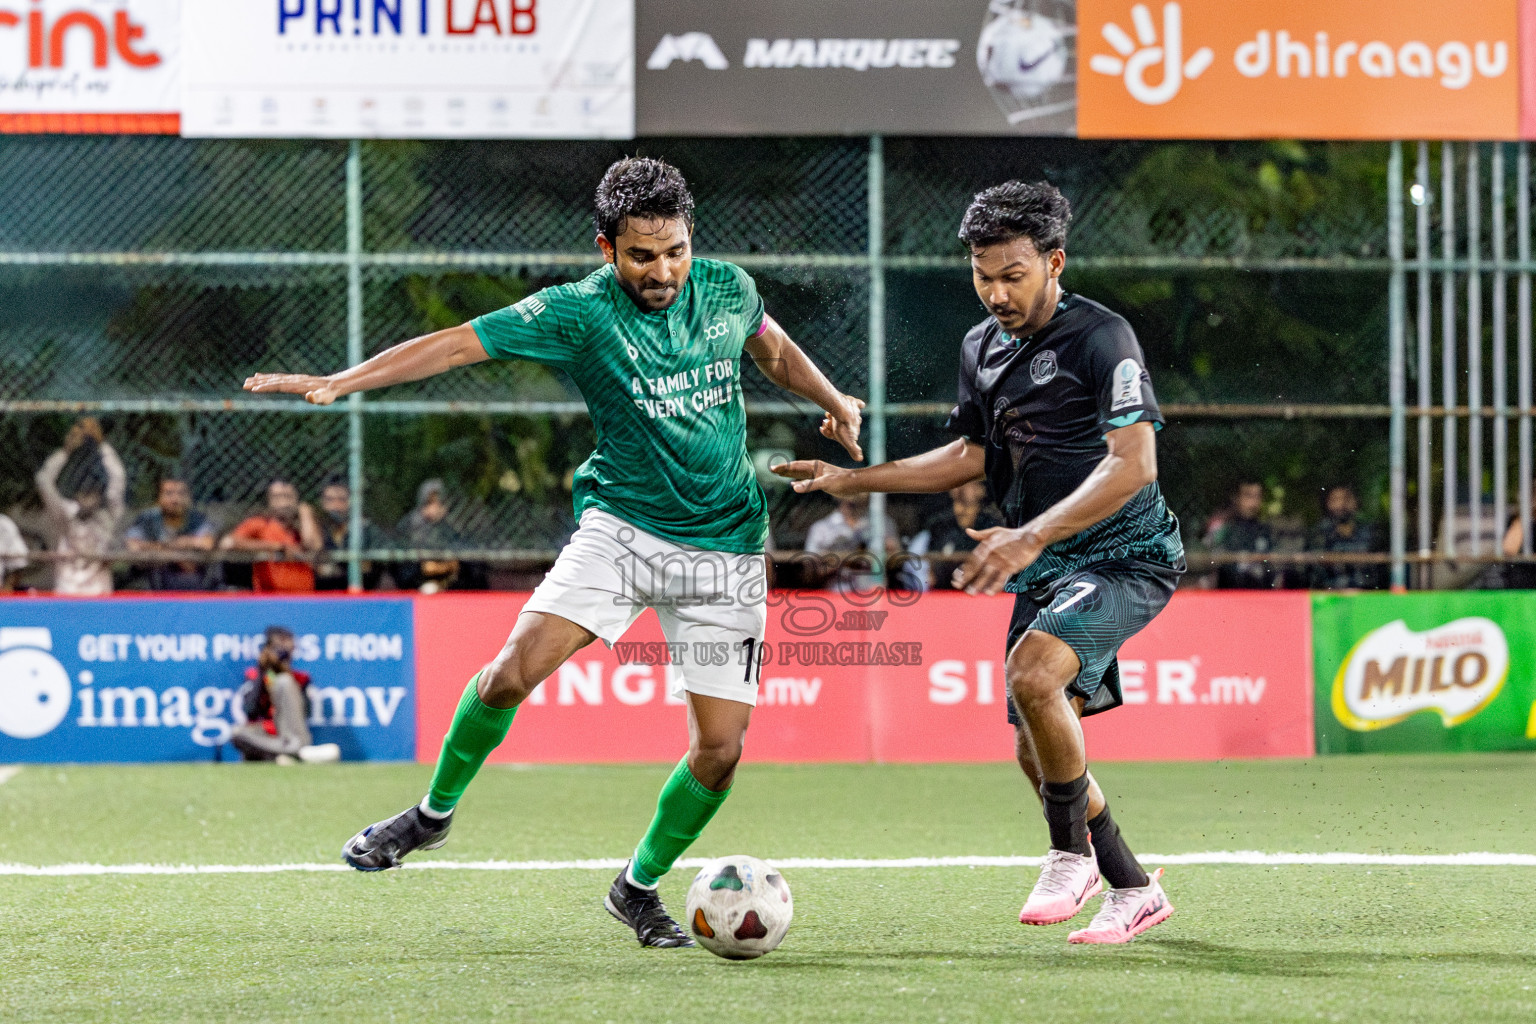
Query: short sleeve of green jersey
x=751 y=309
x=540 y=328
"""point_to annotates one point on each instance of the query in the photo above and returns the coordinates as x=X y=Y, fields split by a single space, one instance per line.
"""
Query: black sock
x=1117 y=863
x=1066 y=814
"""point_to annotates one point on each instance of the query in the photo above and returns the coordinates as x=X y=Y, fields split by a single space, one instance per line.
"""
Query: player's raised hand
x=844 y=427
x=814 y=475
x=316 y=390
x=1001 y=553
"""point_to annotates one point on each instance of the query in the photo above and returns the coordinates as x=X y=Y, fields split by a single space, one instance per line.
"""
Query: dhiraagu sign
x=1419 y=672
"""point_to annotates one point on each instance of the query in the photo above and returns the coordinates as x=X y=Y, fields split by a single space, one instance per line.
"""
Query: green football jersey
x=664 y=391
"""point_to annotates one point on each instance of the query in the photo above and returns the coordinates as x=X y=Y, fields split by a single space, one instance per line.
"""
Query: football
x=739 y=907
x=1023 y=53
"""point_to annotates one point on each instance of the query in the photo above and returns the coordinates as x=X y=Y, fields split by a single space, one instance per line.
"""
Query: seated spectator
x=944 y=532
x=275 y=700
x=1342 y=531
x=336 y=536
x=1241 y=529
x=1456 y=533
x=13 y=553
x=427 y=527
x=841 y=537
x=284 y=526
x=1517 y=575
x=174 y=525
x=86 y=521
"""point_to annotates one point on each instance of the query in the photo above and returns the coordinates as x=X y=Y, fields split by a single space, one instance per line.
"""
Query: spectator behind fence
x=1240 y=529
x=944 y=532
x=13 y=552
x=275 y=700
x=1342 y=531
x=427 y=526
x=1517 y=575
x=284 y=526
x=1456 y=534
x=85 y=522
x=841 y=536
x=174 y=524
x=335 y=536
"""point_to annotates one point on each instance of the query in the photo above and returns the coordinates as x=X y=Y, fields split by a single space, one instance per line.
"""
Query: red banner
x=1215 y=676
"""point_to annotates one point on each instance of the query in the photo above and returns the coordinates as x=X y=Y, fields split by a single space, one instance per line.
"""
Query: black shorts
x=1094 y=610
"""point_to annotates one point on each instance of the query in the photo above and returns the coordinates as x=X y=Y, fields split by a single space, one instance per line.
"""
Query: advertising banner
x=613 y=705
x=1310 y=69
x=1213 y=676
x=887 y=679
x=1425 y=671
x=1528 y=69
x=90 y=66
x=786 y=67
x=561 y=69
x=135 y=679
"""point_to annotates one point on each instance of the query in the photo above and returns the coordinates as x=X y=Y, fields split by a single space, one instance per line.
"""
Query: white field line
x=1218 y=857
x=9 y=772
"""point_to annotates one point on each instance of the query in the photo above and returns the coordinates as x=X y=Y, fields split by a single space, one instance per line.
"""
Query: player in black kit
x=1056 y=411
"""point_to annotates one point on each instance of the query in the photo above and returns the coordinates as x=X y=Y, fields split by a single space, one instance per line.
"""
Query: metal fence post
x=1500 y=355
x=1397 y=386
x=355 y=356
x=874 y=410
x=1523 y=335
x=1475 y=344
x=1448 y=389
x=1425 y=373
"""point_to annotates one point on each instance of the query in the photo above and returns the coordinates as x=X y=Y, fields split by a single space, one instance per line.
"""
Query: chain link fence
x=144 y=278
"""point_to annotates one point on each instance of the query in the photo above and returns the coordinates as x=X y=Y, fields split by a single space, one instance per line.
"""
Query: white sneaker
x=1127 y=913
x=1067 y=882
x=320 y=753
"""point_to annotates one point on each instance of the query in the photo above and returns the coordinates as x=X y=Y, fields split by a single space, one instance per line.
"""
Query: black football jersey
x=1041 y=406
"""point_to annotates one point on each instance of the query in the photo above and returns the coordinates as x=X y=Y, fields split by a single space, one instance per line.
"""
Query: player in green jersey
x=671 y=516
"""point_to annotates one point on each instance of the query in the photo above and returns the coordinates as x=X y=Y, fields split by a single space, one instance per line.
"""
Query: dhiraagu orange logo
x=1455 y=670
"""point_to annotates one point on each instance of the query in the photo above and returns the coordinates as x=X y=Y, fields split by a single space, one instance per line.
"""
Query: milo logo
x=1456 y=670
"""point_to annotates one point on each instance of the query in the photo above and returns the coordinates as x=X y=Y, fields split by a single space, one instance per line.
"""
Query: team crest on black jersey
x=1042 y=368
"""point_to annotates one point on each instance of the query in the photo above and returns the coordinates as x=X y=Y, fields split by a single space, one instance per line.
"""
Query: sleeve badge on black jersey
x=1127 y=385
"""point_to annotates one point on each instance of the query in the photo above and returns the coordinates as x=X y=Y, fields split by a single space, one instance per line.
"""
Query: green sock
x=683 y=809
x=477 y=730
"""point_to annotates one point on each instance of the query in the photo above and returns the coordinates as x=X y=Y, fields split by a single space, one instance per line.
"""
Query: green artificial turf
x=1246 y=944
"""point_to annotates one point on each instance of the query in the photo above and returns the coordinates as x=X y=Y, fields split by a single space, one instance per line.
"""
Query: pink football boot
x=1126 y=913
x=1067 y=882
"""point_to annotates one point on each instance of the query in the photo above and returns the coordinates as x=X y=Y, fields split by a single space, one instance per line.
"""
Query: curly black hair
x=1018 y=209
x=641 y=187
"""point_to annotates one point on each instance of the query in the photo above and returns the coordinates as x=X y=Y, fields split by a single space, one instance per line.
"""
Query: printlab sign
x=126 y=680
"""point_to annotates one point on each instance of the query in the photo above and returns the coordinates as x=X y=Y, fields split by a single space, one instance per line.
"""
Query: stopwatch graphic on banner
x=34 y=688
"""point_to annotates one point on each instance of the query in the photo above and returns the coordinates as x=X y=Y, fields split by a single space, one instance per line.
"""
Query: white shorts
x=713 y=605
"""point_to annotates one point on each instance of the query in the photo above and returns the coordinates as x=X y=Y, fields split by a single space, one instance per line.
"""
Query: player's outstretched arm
x=941 y=469
x=417 y=359
x=787 y=365
x=1130 y=465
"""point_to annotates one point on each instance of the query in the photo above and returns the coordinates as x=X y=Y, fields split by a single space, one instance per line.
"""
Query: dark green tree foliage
x=1159 y=235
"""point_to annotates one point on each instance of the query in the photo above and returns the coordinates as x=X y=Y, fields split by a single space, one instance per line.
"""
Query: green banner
x=1436 y=671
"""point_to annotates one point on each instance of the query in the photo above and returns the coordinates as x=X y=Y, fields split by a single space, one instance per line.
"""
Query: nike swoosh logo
x=1084 y=894
x=1030 y=65
x=1147 y=912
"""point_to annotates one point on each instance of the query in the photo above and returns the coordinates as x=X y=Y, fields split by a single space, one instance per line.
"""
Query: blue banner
x=154 y=679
